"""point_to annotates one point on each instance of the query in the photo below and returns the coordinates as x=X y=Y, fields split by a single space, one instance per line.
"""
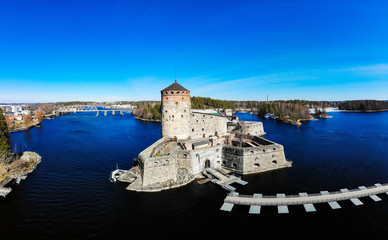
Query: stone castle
x=195 y=140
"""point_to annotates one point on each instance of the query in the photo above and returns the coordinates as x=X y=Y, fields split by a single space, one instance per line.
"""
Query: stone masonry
x=194 y=141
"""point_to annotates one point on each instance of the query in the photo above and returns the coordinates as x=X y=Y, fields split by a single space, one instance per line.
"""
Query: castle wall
x=205 y=125
x=203 y=158
x=254 y=159
x=163 y=172
x=253 y=128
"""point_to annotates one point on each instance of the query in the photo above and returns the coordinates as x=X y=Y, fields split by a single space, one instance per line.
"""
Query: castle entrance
x=207 y=163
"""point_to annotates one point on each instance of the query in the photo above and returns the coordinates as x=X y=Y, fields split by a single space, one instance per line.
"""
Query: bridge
x=282 y=201
x=86 y=108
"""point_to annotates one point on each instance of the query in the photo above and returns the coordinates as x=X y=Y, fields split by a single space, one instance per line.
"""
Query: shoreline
x=24 y=128
x=17 y=168
x=147 y=120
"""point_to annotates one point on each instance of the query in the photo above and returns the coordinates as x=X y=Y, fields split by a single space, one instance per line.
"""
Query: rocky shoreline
x=20 y=168
x=24 y=128
x=147 y=120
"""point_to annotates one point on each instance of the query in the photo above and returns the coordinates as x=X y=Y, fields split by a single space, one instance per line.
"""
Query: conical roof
x=175 y=86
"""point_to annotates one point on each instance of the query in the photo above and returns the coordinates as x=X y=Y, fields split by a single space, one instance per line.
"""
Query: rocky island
x=197 y=143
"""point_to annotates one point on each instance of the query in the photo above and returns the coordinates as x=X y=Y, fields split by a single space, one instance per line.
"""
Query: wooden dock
x=4 y=191
x=224 y=180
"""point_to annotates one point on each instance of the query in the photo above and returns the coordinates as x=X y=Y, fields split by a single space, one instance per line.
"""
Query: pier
x=4 y=191
x=223 y=179
x=282 y=201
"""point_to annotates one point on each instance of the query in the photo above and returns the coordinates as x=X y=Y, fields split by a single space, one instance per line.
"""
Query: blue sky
x=236 y=50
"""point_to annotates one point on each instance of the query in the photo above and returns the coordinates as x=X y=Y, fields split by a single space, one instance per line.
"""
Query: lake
x=69 y=195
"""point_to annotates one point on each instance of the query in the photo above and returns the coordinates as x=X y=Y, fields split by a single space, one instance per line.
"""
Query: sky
x=233 y=50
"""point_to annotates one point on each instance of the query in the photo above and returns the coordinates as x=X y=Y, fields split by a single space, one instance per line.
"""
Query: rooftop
x=175 y=86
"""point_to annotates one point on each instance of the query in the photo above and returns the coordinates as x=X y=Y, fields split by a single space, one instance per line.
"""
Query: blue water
x=69 y=195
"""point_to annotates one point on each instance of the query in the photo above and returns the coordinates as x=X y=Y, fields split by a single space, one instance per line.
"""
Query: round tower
x=176 y=109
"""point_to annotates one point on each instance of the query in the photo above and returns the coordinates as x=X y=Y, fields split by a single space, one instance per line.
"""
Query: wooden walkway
x=4 y=191
x=307 y=200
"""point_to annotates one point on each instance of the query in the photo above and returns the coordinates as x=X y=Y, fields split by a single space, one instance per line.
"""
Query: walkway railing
x=282 y=200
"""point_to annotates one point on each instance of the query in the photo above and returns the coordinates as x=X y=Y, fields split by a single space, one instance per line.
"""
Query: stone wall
x=204 y=125
x=254 y=159
x=164 y=172
x=252 y=128
x=203 y=158
x=176 y=119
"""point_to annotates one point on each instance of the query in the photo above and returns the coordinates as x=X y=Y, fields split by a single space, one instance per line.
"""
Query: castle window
x=172 y=92
x=274 y=162
x=166 y=92
x=257 y=165
x=234 y=164
x=165 y=111
x=181 y=116
x=185 y=110
x=176 y=103
x=172 y=116
x=192 y=130
x=178 y=92
x=203 y=129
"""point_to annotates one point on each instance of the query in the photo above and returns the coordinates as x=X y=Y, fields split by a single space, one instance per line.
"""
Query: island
x=197 y=144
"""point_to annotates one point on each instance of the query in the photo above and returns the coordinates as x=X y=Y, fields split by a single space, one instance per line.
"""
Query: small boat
x=18 y=180
x=114 y=175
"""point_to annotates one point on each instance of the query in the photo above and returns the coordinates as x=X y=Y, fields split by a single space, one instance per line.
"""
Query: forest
x=148 y=110
x=206 y=102
x=284 y=110
x=363 y=105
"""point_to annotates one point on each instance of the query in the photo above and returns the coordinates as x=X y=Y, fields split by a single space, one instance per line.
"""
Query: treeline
x=311 y=104
x=206 y=102
x=363 y=105
x=148 y=110
x=284 y=110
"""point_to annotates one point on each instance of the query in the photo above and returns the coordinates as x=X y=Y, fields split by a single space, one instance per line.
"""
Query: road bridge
x=85 y=108
x=307 y=200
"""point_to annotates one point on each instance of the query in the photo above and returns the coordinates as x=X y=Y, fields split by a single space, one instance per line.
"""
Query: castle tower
x=176 y=109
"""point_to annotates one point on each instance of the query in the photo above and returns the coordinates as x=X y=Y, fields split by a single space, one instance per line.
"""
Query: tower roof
x=175 y=86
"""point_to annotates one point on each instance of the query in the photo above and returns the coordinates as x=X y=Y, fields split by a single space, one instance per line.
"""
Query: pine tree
x=4 y=135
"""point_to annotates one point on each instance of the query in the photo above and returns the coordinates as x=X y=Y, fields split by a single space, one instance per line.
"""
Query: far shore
x=24 y=128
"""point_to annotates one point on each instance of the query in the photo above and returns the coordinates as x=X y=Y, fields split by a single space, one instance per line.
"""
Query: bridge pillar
x=106 y=113
x=98 y=113
x=113 y=112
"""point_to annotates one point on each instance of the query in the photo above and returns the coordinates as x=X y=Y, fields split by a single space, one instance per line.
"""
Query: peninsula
x=13 y=166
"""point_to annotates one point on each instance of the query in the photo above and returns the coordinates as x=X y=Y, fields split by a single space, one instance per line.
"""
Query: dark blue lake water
x=69 y=195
